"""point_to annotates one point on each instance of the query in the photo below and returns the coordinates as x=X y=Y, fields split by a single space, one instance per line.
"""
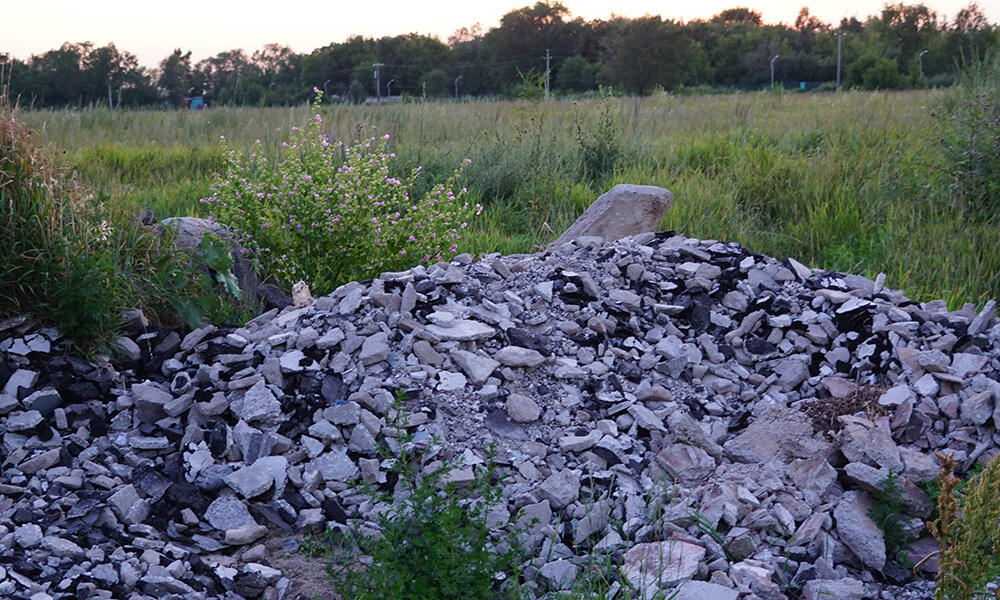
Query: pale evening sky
x=151 y=30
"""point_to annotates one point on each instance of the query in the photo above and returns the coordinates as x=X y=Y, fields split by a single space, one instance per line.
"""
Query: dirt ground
x=307 y=574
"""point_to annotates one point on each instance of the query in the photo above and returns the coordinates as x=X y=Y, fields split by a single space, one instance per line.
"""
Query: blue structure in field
x=197 y=103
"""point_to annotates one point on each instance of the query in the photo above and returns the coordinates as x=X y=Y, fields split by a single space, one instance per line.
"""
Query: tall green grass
x=852 y=181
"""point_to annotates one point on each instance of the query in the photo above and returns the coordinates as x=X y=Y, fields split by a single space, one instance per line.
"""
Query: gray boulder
x=623 y=211
x=188 y=233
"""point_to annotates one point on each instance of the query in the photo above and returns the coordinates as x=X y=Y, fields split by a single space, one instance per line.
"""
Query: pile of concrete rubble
x=707 y=417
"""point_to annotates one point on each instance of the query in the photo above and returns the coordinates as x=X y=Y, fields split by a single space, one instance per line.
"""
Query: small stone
x=348 y=413
x=257 y=404
x=335 y=465
x=126 y=349
x=686 y=463
x=28 y=535
x=477 y=368
x=21 y=378
x=791 y=372
x=579 y=443
x=105 y=574
x=689 y=431
x=858 y=531
x=8 y=403
x=375 y=349
x=24 y=421
x=362 y=441
x=62 y=548
x=228 y=512
x=351 y=302
x=984 y=319
x=449 y=381
x=629 y=300
x=559 y=574
x=247 y=534
x=516 y=356
x=292 y=361
x=252 y=480
x=522 y=409
x=149 y=401
x=462 y=330
x=330 y=339
x=813 y=474
x=593 y=522
x=704 y=590
x=840 y=387
x=560 y=489
x=40 y=462
x=896 y=395
x=927 y=386
x=426 y=353
x=655 y=393
x=645 y=418
x=977 y=409
x=827 y=589
x=123 y=499
x=650 y=566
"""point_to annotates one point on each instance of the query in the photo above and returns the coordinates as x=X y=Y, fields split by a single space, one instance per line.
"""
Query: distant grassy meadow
x=851 y=181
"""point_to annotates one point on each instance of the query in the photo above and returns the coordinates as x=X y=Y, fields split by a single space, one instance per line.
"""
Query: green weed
x=968 y=529
x=889 y=516
x=78 y=260
x=434 y=544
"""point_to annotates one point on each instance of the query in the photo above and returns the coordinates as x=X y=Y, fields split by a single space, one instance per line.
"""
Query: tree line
x=906 y=45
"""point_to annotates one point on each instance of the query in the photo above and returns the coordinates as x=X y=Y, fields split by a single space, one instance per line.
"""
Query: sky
x=151 y=30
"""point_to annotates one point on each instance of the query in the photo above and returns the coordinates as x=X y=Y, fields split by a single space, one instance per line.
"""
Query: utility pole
x=772 y=69
x=378 y=83
x=548 y=72
x=456 y=87
x=920 y=62
x=840 y=40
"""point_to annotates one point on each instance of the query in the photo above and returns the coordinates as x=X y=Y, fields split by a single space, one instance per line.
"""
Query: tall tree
x=738 y=16
x=907 y=28
x=649 y=51
x=111 y=70
x=62 y=74
x=520 y=43
x=175 y=77
x=808 y=27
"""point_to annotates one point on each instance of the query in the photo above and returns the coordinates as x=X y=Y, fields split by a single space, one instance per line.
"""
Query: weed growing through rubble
x=329 y=212
x=888 y=515
x=968 y=529
x=434 y=544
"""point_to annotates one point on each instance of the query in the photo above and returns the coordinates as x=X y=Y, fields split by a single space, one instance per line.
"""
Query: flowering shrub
x=330 y=212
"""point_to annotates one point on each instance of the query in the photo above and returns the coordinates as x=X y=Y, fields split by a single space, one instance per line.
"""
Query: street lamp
x=456 y=86
x=388 y=88
x=772 y=69
x=324 y=86
x=920 y=62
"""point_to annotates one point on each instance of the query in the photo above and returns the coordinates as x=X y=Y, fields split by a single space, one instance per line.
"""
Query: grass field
x=850 y=181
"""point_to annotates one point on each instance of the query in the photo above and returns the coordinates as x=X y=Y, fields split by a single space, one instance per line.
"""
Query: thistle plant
x=329 y=212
